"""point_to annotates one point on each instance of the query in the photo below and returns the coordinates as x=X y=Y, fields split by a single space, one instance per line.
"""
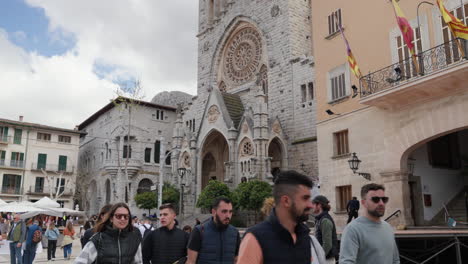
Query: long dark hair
x=106 y=220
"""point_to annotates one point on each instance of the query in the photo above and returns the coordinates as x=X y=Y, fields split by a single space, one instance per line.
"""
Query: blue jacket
x=31 y=230
x=52 y=234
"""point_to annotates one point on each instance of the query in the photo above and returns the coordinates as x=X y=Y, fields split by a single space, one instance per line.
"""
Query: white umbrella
x=19 y=208
x=46 y=202
x=2 y=202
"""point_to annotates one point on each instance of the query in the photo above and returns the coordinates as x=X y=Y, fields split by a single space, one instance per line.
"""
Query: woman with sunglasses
x=90 y=232
x=115 y=240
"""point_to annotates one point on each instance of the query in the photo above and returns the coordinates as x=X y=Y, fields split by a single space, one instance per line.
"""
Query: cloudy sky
x=62 y=60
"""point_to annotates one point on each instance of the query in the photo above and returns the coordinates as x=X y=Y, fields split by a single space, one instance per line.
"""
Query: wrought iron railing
x=5 y=139
x=53 y=167
x=17 y=164
x=429 y=61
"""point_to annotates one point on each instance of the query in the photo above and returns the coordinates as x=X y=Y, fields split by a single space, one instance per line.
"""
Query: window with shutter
x=62 y=163
x=18 y=135
x=41 y=161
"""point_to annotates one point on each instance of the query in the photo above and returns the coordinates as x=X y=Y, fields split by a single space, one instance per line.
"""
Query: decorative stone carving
x=276 y=127
x=275 y=10
x=245 y=128
x=242 y=56
x=186 y=161
x=213 y=113
x=222 y=87
x=247 y=148
x=206 y=46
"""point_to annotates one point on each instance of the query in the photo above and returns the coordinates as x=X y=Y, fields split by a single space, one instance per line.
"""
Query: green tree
x=149 y=200
x=250 y=195
x=213 y=190
x=146 y=200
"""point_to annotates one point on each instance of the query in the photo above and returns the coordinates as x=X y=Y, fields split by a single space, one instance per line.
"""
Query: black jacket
x=164 y=246
x=277 y=243
x=86 y=236
x=318 y=234
x=115 y=246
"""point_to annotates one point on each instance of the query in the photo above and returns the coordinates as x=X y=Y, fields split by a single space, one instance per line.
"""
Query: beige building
x=409 y=130
x=32 y=158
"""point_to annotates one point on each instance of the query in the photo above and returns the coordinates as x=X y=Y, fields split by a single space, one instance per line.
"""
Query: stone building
x=408 y=128
x=32 y=158
x=254 y=112
x=113 y=143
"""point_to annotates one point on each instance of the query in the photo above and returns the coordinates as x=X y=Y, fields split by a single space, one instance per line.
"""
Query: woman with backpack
x=67 y=242
x=52 y=235
x=116 y=240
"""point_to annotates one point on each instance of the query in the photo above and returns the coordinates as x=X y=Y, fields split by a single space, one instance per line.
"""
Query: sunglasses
x=122 y=216
x=376 y=199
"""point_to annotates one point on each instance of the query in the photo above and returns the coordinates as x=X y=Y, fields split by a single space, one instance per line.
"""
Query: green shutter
x=2 y=155
x=17 y=184
x=62 y=163
x=41 y=161
x=18 y=135
x=21 y=157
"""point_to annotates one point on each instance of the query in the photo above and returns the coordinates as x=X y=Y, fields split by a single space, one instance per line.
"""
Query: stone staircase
x=456 y=208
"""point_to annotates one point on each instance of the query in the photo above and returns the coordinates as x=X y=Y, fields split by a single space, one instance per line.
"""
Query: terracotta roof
x=38 y=126
x=112 y=104
x=234 y=106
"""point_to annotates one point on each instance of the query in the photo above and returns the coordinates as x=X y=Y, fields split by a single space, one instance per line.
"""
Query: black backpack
x=147 y=231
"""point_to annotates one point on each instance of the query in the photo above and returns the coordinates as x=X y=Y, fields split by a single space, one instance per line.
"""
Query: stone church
x=254 y=112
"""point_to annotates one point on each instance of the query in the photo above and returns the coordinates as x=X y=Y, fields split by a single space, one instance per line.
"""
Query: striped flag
x=459 y=29
x=351 y=60
x=405 y=27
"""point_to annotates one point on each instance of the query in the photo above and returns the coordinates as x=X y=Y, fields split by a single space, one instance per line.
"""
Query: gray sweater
x=365 y=241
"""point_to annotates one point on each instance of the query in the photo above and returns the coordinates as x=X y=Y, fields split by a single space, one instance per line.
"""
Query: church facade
x=254 y=112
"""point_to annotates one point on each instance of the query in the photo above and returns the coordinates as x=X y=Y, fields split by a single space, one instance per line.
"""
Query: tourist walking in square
x=369 y=239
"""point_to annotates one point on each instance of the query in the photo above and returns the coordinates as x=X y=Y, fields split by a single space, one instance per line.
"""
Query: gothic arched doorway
x=275 y=152
x=215 y=154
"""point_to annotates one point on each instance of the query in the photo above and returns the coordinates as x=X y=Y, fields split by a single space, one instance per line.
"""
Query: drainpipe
x=25 y=159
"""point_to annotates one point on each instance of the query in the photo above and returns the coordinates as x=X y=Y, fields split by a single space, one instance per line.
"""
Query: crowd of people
x=115 y=236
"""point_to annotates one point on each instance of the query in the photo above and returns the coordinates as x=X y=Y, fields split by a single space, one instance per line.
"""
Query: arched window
x=168 y=158
x=144 y=186
x=108 y=191
x=264 y=80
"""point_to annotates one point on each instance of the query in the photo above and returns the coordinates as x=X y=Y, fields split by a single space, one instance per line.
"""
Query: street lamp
x=182 y=172
x=354 y=166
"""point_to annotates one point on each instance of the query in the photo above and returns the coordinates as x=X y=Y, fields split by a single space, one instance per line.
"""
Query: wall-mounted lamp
x=354 y=166
x=330 y=112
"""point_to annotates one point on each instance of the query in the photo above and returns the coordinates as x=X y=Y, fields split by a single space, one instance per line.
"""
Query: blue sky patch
x=27 y=28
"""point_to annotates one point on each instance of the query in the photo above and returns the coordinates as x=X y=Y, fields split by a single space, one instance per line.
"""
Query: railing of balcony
x=432 y=60
x=52 y=167
x=17 y=164
x=11 y=190
x=4 y=139
x=2 y=162
x=41 y=190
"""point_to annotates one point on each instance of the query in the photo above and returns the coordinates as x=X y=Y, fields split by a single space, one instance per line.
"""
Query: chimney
x=21 y=118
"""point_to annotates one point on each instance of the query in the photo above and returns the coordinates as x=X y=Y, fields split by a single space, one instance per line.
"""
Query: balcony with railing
x=4 y=139
x=12 y=164
x=13 y=190
x=133 y=166
x=442 y=71
x=67 y=169
x=45 y=191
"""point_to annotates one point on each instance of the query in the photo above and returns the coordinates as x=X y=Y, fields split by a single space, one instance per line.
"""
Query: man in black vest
x=282 y=238
x=215 y=241
x=166 y=244
x=325 y=229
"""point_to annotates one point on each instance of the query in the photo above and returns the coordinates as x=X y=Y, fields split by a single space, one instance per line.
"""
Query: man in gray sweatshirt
x=368 y=239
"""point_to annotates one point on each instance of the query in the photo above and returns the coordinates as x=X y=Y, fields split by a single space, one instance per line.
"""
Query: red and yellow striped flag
x=459 y=29
x=351 y=60
x=405 y=27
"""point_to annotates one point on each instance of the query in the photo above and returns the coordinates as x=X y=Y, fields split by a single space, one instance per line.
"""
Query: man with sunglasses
x=369 y=239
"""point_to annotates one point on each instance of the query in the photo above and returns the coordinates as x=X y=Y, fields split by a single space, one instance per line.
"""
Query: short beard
x=220 y=223
x=375 y=213
x=297 y=215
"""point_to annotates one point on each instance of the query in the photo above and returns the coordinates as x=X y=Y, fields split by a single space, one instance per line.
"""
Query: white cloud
x=151 y=40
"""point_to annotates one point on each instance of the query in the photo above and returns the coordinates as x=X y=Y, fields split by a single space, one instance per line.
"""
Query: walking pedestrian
x=33 y=237
x=352 y=208
x=116 y=240
x=187 y=229
x=215 y=241
x=368 y=239
x=145 y=228
x=325 y=229
x=68 y=237
x=168 y=243
x=90 y=232
x=52 y=234
x=17 y=236
x=282 y=238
